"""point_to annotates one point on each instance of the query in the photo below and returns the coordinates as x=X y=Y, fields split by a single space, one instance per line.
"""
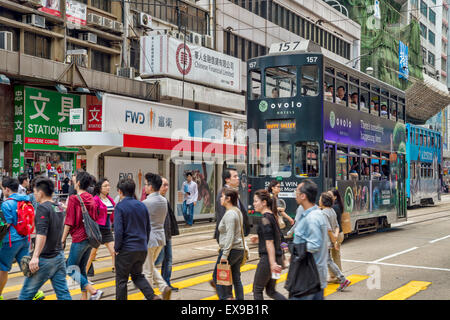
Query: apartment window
x=423 y=30
x=431 y=58
x=414 y=3
x=423 y=8
x=432 y=16
x=37 y=45
x=101 y=61
x=135 y=54
x=431 y=37
x=104 y=5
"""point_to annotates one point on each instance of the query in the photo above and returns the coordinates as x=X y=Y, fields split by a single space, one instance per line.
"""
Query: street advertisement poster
x=94 y=114
x=204 y=175
x=46 y=114
x=403 y=61
x=162 y=55
x=117 y=168
x=345 y=126
x=76 y=12
x=51 y=7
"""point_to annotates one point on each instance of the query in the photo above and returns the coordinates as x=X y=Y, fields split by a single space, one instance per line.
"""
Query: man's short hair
x=22 y=178
x=188 y=174
x=309 y=188
x=154 y=180
x=343 y=88
x=85 y=179
x=45 y=185
x=127 y=186
x=226 y=174
x=11 y=183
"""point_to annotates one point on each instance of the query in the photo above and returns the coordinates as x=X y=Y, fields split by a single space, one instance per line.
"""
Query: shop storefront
x=154 y=137
x=39 y=117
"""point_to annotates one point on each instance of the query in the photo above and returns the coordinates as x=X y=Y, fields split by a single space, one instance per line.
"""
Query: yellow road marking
x=332 y=287
x=406 y=291
x=190 y=282
x=113 y=282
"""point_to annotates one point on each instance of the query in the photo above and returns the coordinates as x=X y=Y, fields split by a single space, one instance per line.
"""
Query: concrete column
x=92 y=155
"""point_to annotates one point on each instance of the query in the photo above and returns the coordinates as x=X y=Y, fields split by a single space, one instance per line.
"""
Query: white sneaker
x=97 y=295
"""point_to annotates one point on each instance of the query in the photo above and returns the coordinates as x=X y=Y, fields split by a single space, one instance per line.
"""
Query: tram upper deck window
x=342 y=88
x=255 y=85
x=385 y=166
x=328 y=88
x=306 y=159
x=401 y=110
x=364 y=99
x=374 y=103
x=310 y=80
x=376 y=170
x=341 y=163
x=384 y=105
x=365 y=165
x=353 y=94
x=393 y=110
x=281 y=82
x=354 y=164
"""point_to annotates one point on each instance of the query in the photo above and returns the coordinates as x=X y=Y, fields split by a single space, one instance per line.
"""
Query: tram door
x=401 y=187
x=329 y=165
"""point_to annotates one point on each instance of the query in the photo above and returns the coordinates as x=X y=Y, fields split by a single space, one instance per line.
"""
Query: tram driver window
x=310 y=80
x=281 y=82
x=306 y=159
x=258 y=160
x=282 y=151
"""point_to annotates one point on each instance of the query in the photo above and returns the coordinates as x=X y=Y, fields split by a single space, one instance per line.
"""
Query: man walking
x=14 y=245
x=311 y=228
x=24 y=183
x=132 y=233
x=157 y=209
x=231 y=178
x=48 y=261
x=170 y=229
x=190 y=190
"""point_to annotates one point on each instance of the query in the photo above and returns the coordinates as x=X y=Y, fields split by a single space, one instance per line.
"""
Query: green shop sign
x=39 y=117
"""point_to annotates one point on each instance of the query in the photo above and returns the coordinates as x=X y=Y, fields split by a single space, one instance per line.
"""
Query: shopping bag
x=224 y=274
x=346 y=223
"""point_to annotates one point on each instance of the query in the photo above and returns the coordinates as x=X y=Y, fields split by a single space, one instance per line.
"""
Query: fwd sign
x=135 y=117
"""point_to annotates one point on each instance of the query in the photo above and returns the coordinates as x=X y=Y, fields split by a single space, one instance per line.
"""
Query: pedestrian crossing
x=200 y=283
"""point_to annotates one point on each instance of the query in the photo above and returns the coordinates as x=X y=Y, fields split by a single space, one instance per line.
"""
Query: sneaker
x=344 y=285
x=1 y=298
x=155 y=297
x=167 y=293
x=39 y=296
x=174 y=289
x=97 y=295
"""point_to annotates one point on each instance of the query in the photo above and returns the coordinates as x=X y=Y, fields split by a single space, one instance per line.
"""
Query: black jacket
x=220 y=212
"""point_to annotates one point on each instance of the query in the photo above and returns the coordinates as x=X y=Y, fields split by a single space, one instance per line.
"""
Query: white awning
x=425 y=98
x=90 y=139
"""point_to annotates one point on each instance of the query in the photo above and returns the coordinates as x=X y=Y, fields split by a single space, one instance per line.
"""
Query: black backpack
x=3 y=228
x=91 y=227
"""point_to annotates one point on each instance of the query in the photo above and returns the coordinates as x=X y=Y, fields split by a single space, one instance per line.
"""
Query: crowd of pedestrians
x=138 y=236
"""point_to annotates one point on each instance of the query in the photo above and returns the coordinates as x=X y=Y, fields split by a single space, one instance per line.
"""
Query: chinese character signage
x=43 y=115
x=17 y=161
x=403 y=61
x=164 y=55
x=51 y=7
x=76 y=12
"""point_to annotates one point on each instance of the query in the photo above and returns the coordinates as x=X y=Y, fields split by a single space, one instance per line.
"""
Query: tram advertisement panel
x=350 y=127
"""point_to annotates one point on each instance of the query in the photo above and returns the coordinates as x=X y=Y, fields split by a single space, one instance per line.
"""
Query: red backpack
x=25 y=219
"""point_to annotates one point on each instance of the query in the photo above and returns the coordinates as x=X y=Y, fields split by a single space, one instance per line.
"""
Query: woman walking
x=274 y=188
x=105 y=208
x=80 y=248
x=269 y=247
x=338 y=207
x=231 y=245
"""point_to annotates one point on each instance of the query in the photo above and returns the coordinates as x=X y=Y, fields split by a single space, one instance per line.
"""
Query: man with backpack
x=19 y=215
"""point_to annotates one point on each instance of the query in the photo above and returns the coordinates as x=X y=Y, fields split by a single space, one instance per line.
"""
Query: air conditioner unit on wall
x=34 y=20
x=145 y=20
x=126 y=72
x=108 y=23
x=118 y=26
x=6 y=40
x=79 y=57
x=208 y=41
x=33 y=3
x=180 y=36
x=89 y=37
x=94 y=19
x=196 y=39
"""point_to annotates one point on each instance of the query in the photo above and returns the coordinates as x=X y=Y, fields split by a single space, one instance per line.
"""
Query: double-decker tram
x=310 y=117
x=423 y=156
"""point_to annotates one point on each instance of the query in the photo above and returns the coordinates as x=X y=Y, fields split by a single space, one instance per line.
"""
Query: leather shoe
x=167 y=293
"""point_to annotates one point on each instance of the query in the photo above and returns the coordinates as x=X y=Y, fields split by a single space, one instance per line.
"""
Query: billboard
x=51 y=7
x=162 y=55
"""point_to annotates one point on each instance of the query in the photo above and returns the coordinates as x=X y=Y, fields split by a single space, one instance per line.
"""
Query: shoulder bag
x=246 y=253
x=91 y=227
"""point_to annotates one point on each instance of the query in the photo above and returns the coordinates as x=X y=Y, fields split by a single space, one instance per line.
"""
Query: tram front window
x=281 y=82
x=307 y=159
x=283 y=168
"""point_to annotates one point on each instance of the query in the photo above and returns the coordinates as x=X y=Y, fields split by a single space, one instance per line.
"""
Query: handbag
x=246 y=253
x=280 y=221
x=91 y=227
x=224 y=274
x=303 y=277
x=346 y=223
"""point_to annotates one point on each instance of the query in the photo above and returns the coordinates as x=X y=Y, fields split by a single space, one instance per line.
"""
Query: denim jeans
x=334 y=268
x=165 y=258
x=234 y=259
x=18 y=250
x=188 y=213
x=263 y=279
x=77 y=261
x=314 y=296
x=53 y=269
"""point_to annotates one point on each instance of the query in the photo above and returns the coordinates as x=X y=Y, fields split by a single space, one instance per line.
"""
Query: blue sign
x=403 y=61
